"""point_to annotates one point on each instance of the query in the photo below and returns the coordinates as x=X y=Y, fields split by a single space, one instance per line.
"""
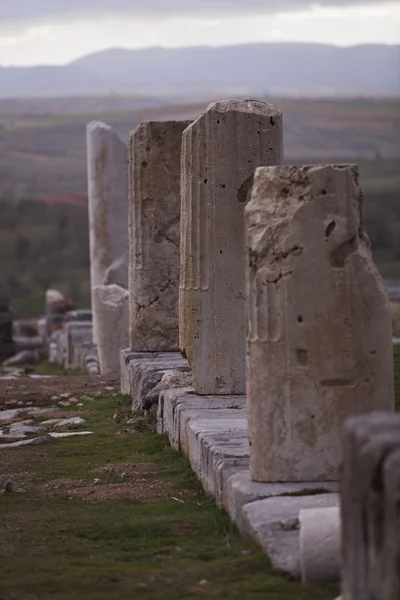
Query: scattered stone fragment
x=65 y=395
x=54 y=398
x=51 y=422
x=73 y=421
x=20 y=429
x=290 y=523
x=32 y=442
x=73 y=400
x=64 y=403
x=57 y=434
x=12 y=486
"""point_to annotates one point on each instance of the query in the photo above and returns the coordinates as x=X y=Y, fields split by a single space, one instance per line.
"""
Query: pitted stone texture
x=142 y=371
x=370 y=490
x=320 y=544
x=107 y=165
x=220 y=152
x=155 y=150
x=319 y=345
x=266 y=519
x=111 y=305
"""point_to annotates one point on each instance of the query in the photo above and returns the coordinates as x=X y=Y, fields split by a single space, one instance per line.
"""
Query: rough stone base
x=142 y=371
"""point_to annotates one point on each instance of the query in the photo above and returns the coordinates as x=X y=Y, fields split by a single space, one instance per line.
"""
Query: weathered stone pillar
x=111 y=303
x=370 y=490
x=155 y=150
x=319 y=343
x=107 y=163
x=219 y=155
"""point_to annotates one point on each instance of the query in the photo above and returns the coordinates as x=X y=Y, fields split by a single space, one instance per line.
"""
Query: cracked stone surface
x=107 y=165
x=319 y=342
x=154 y=216
x=220 y=152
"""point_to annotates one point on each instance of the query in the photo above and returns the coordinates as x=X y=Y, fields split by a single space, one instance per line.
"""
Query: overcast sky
x=58 y=31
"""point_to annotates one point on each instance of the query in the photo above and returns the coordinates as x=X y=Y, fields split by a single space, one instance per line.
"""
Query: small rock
x=12 y=486
x=57 y=434
x=290 y=523
x=20 y=403
x=65 y=395
x=203 y=582
x=50 y=422
x=109 y=388
x=70 y=422
x=54 y=398
x=74 y=400
x=96 y=481
x=29 y=403
x=64 y=403
x=19 y=429
x=79 y=404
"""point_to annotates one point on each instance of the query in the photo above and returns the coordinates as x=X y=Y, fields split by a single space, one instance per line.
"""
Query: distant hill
x=275 y=68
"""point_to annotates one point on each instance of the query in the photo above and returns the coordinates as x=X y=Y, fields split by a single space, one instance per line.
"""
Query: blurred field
x=43 y=157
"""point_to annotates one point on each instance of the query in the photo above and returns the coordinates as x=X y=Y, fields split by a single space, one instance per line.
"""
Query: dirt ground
x=40 y=391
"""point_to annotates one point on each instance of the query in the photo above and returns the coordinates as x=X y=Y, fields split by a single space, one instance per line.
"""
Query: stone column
x=111 y=303
x=219 y=155
x=155 y=150
x=107 y=163
x=370 y=490
x=319 y=342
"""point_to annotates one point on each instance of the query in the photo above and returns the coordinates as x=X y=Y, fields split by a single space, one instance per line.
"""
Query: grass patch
x=175 y=544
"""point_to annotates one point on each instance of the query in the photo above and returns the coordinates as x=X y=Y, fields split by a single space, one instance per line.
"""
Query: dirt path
x=40 y=391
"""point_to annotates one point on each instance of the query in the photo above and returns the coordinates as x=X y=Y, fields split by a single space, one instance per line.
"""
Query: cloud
x=25 y=12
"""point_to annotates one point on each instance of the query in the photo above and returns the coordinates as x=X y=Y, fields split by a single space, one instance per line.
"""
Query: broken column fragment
x=319 y=343
x=111 y=303
x=107 y=165
x=220 y=152
x=155 y=150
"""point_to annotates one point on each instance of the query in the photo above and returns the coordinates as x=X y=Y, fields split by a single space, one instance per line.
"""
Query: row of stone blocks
x=262 y=276
x=72 y=345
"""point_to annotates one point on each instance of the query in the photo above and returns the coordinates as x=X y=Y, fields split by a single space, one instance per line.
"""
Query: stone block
x=319 y=344
x=76 y=333
x=154 y=216
x=107 y=167
x=141 y=372
x=111 y=306
x=320 y=544
x=220 y=152
x=274 y=522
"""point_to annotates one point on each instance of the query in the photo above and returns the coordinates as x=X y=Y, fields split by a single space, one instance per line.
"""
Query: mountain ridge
x=261 y=68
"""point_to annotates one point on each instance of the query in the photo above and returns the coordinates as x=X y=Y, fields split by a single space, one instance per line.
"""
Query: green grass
x=56 y=545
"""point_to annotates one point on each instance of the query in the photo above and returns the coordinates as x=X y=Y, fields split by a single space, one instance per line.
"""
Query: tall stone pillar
x=155 y=150
x=319 y=342
x=220 y=152
x=107 y=165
